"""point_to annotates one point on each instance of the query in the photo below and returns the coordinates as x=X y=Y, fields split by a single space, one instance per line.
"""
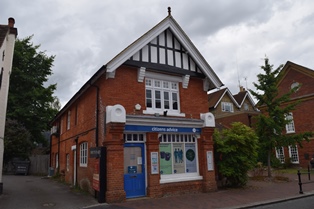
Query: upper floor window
x=162 y=95
x=290 y=126
x=83 y=154
x=246 y=106
x=227 y=107
x=69 y=120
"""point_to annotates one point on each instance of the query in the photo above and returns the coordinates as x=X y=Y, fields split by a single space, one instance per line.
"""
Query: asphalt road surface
x=33 y=192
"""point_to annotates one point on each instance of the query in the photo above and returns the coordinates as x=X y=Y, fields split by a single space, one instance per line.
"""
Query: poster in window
x=190 y=156
x=165 y=159
x=178 y=155
x=210 y=165
x=154 y=162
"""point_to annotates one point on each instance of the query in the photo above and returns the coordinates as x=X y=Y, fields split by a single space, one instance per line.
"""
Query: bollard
x=300 y=183
x=309 y=172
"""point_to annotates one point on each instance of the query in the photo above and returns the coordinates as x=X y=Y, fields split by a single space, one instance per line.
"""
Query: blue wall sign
x=162 y=129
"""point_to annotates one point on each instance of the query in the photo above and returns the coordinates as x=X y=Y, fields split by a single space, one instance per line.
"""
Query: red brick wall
x=124 y=89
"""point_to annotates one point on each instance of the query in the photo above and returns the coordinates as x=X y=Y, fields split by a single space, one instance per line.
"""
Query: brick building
x=228 y=108
x=140 y=125
x=302 y=117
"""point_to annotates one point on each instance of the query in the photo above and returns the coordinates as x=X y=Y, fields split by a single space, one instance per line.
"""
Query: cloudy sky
x=234 y=36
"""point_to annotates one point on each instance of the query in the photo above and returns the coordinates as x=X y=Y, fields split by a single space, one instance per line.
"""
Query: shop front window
x=178 y=157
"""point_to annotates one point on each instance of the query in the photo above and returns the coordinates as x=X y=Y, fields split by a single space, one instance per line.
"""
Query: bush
x=237 y=148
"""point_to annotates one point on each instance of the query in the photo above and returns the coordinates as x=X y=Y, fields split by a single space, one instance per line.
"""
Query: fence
x=309 y=178
x=39 y=164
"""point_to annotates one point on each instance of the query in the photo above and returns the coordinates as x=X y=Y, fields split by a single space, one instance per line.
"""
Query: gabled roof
x=289 y=65
x=166 y=24
x=241 y=96
x=215 y=97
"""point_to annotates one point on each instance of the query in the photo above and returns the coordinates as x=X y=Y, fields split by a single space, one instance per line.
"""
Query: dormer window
x=227 y=107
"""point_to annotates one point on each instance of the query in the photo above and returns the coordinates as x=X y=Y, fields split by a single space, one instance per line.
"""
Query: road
x=33 y=192
x=301 y=203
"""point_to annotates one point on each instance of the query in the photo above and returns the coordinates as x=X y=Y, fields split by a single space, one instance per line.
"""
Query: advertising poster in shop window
x=190 y=156
x=178 y=155
x=165 y=159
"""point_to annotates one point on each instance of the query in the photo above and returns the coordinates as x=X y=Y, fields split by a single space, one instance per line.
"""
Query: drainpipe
x=97 y=112
x=76 y=160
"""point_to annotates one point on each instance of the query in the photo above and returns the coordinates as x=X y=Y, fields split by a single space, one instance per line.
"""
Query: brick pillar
x=153 y=185
x=115 y=162
x=206 y=143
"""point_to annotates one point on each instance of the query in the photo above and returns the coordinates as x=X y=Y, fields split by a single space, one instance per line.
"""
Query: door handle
x=133 y=176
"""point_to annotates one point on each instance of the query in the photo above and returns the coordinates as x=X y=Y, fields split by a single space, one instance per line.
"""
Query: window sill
x=160 y=112
x=174 y=179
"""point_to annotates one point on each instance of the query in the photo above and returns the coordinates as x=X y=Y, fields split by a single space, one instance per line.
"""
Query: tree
x=17 y=142
x=29 y=101
x=237 y=148
x=271 y=123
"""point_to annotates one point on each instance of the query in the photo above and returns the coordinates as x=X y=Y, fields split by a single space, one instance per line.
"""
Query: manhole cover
x=49 y=204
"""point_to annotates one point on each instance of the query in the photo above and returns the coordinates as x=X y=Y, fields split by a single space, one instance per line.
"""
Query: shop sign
x=94 y=152
x=162 y=129
x=96 y=176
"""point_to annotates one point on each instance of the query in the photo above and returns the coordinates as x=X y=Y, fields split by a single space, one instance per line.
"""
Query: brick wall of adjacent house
x=124 y=89
x=304 y=111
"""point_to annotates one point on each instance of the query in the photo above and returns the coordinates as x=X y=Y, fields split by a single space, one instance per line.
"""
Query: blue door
x=134 y=170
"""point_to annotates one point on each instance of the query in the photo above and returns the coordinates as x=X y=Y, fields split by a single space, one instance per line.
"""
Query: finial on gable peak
x=169 y=11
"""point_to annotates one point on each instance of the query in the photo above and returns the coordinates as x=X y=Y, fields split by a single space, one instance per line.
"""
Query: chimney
x=242 y=89
x=11 y=22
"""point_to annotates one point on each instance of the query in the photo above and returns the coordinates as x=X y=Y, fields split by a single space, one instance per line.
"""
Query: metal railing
x=300 y=181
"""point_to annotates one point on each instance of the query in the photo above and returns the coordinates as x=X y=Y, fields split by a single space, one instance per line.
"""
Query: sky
x=234 y=36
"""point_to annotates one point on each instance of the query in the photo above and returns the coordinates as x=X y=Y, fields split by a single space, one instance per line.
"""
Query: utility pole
x=7 y=44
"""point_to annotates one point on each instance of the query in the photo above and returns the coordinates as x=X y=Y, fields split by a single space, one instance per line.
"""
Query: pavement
x=59 y=196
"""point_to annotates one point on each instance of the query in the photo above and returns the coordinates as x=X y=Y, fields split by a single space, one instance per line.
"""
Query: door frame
x=142 y=146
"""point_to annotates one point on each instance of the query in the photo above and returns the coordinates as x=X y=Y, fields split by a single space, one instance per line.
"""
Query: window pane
x=178 y=164
x=157 y=99
x=166 y=100
x=157 y=83
x=174 y=101
x=149 y=98
x=165 y=159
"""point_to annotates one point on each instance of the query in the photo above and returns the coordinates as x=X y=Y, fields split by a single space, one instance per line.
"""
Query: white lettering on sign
x=161 y=129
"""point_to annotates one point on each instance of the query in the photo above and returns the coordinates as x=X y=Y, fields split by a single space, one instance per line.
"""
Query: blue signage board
x=166 y=129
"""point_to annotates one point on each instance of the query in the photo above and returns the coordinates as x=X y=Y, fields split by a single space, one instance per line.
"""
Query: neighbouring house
x=140 y=125
x=228 y=108
x=293 y=75
x=7 y=41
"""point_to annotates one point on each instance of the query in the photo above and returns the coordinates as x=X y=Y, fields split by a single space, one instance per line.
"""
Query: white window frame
x=83 y=154
x=172 y=88
x=294 y=154
x=169 y=178
x=280 y=154
x=69 y=120
x=68 y=161
x=226 y=106
x=290 y=126
x=57 y=160
x=134 y=137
